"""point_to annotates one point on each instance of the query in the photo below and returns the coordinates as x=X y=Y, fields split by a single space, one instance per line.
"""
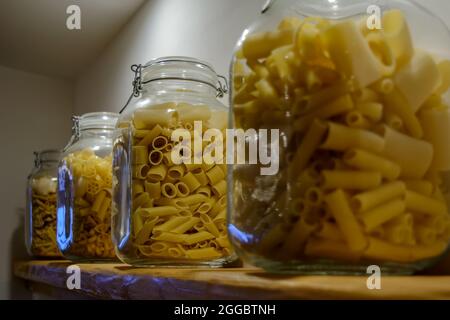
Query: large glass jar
x=358 y=92
x=40 y=216
x=169 y=194
x=84 y=189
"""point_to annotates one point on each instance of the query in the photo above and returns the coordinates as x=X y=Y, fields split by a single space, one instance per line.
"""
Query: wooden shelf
x=118 y=281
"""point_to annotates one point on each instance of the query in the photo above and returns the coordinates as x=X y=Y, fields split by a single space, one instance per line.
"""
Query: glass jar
x=40 y=217
x=169 y=196
x=357 y=90
x=84 y=189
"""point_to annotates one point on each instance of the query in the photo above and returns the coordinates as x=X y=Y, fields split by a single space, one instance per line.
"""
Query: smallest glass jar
x=84 y=189
x=40 y=216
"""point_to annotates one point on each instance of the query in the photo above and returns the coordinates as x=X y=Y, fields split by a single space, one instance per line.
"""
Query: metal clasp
x=137 y=84
x=37 y=159
x=223 y=86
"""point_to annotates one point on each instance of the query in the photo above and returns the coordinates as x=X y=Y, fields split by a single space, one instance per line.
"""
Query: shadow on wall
x=17 y=287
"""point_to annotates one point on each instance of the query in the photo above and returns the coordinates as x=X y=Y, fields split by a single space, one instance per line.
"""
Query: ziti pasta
x=366 y=155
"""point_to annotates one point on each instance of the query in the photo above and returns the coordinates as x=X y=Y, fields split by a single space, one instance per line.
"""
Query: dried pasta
x=92 y=176
x=177 y=202
x=43 y=215
x=365 y=157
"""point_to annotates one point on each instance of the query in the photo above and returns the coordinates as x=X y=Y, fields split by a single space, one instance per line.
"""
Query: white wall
x=205 y=29
x=35 y=113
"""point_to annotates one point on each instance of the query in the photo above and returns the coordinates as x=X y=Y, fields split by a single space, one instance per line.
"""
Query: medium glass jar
x=40 y=217
x=358 y=91
x=169 y=194
x=84 y=189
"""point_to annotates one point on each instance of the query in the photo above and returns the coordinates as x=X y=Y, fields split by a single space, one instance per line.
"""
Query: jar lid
x=97 y=120
x=47 y=155
x=179 y=68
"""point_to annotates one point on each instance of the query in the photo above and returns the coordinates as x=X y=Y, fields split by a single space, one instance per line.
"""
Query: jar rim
x=97 y=120
x=168 y=68
x=47 y=155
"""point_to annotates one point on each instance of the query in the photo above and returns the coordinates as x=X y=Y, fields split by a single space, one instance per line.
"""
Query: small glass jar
x=358 y=90
x=40 y=217
x=84 y=189
x=169 y=202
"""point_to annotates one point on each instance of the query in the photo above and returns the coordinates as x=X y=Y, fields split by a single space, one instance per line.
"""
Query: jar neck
x=96 y=133
x=178 y=87
x=47 y=164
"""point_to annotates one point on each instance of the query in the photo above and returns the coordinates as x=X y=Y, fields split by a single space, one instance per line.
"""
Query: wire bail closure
x=137 y=83
x=37 y=159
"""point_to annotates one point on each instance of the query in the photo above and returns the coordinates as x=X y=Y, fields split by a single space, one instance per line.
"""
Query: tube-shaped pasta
x=347 y=179
x=346 y=220
x=425 y=235
x=143 y=200
x=171 y=224
x=197 y=237
x=204 y=191
x=192 y=199
x=341 y=138
x=339 y=106
x=397 y=104
x=150 y=136
x=190 y=113
x=394 y=121
x=139 y=155
x=187 y=225
x=329 y=231
x=140 y=171
x=372 y=198
x=444 y=71
x=98 y=201
x=153 y=189
x=220 y=188
x=401 y=148
x=380 y=49
x=176 y=172
x=157 y=173
x=160 y=142
x=372 y=110
x=147 y=118
x=418 y=79
x=203 y=253
x=190 y=180
x=309 y=144
x=355 y=119
x=169 y=190
x=144 y=233
x=209 y=224
x=182 y=189
x=381 y=214
x=358 y=61
x=294 y=242
x=157 y=211
x=313 y=196
x=155 y=157
x=424 y=187
x=367 y=161
x=215 y=175
x=384 y=251
x=321 y=248
x=366 y=95
x=137 y=187
x=436 y=126
x=397 y=36
x=200 y=175
x=422 y=204
x=261 y=45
